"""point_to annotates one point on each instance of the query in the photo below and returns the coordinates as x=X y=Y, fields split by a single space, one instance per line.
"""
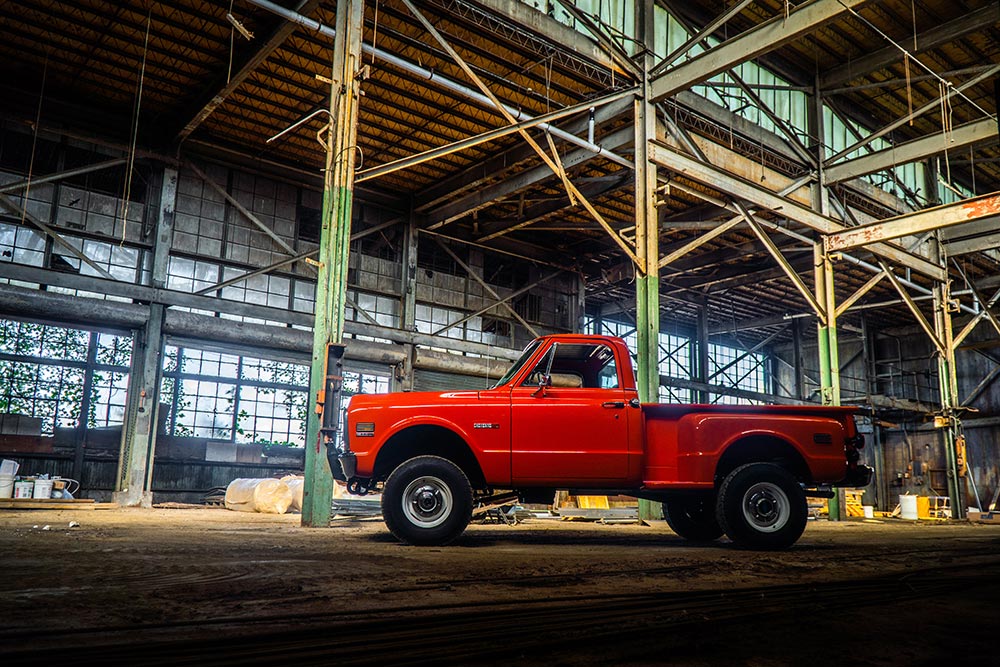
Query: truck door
x=576 y=429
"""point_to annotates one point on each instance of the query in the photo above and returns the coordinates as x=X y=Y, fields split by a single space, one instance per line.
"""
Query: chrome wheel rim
x=766 y=507
x=427 y=502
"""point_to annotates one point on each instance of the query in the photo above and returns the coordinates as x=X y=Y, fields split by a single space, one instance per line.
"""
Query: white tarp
x=270 y=496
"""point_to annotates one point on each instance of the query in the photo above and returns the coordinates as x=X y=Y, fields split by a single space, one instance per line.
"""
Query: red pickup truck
x=567 y=416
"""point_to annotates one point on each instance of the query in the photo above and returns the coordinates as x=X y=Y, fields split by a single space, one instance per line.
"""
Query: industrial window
x=57 y=374
x=21 y=245
x=309 y=222
x=221 y=396
x=529 y=306
x=733 y=367
x=432 y=257
x=365 y=383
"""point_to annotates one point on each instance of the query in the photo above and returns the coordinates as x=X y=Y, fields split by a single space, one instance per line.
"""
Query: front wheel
x=427 y=501
x=762 y=506
x=692 y=517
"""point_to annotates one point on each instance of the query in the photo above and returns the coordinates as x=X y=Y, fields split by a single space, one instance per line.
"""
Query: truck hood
x=412 y=399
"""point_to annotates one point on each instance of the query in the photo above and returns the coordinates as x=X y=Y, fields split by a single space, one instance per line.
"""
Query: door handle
x=615 y=405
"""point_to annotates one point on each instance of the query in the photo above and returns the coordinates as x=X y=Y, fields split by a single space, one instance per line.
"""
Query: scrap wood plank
x=54 y=504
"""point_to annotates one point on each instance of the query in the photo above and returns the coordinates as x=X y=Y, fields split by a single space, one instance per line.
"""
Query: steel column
x=142 y=403
x=948 y=385
x=135 y=462
x=334 y=247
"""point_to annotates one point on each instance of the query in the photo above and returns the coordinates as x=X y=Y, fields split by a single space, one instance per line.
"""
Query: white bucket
x=869 y=511
x=43 y=489
x=6 y=486
x=23 y=489
x=908 y=507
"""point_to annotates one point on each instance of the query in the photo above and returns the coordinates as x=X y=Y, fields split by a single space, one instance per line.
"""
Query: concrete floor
x=216 y=587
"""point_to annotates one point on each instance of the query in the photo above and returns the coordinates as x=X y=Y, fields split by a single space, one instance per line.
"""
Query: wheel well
x=762 y=449
x=428 y=440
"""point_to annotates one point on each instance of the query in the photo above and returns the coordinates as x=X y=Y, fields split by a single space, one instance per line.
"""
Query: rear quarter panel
x=684 y=444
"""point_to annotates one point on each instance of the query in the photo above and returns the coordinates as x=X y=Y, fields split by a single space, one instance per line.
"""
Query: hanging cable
x=375 y=32
x=127 y=194
x=916 y=60
x=34 y=139
x=909 y=88
x=232 y=45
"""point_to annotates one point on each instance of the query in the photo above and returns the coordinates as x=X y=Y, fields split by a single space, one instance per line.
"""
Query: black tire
x=427 y=501
x=761 y=506
x=693 y=517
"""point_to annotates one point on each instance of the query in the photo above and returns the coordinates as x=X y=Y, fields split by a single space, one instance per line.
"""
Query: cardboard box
x=984 y=517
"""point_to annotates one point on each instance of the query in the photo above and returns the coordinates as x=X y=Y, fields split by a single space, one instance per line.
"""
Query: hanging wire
x=909 y=88
x=34 y=139
x=127 y=194
x=375 y=32
x=232 y=45
x=934 y=74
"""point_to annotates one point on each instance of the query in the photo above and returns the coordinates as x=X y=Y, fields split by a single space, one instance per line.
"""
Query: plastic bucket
x=43 y=489
x=908 y=507
x=23 y=489
x=869 y=511
x=6 y=486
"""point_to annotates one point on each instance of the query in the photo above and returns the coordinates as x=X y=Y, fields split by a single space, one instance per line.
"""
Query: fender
x=368 y=456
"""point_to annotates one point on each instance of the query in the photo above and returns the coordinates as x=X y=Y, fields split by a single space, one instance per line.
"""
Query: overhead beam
x=970 y=22
x=491 y=135
x=718 y=178
x=535 y=21
x=961 y=137
x=608 y=45
x=766 y=37
x=974 y=244
x=487 y=171
x=986 y=206
x=277 y=38
x=510 y=113
x=69 y=173
x=931 y=105
x=480 y=199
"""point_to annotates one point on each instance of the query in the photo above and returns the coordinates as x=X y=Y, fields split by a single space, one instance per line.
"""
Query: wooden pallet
x=54 y=504
x=852 y=504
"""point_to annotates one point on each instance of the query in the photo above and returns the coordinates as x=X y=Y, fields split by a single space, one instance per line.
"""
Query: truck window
x=589 y=365
x=523 y=359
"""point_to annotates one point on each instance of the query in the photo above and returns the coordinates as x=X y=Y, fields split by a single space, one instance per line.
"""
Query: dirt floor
x=209 y=586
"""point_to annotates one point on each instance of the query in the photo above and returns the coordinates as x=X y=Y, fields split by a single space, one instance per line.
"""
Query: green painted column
x=827 y=347
x=948 y=385
x=647 y=238
x=334 y=245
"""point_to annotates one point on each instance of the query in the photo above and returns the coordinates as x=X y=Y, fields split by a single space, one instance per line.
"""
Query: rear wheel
x=762 y=506
x=693 y=517
x=427 y=501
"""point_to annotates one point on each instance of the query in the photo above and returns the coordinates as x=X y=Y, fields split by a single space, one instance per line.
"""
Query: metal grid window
x=21 y=245
x=56 y=374
x=229 y=397
x=733 y=367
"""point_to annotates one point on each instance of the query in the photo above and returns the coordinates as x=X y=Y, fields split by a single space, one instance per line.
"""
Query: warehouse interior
x=770 y=201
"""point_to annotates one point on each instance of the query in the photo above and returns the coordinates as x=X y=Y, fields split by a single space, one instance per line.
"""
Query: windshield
x=528 y=351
